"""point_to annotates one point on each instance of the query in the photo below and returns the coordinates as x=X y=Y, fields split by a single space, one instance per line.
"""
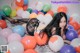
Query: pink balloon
x=5 y=32
x=14 y=37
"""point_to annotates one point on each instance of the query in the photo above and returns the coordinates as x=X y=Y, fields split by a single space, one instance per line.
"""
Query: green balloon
x=46 y=7
x=7 y=10
x=29 y=10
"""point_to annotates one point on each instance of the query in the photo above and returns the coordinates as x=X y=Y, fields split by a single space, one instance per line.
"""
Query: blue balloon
x=35 y=11
x=67 y=49
x=19 y=29
x=1 y=14
x=71 y=34
x=70 y=27
x=43 y=12
x=25 y=2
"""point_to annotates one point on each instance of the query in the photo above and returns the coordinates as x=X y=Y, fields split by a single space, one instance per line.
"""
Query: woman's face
x=62 y=23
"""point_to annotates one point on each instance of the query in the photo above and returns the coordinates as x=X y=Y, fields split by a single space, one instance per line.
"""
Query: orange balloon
x=8 y=51
x=33 y=15
x=78 y=49
x=25 y=7
x=41 y=40
x=50 y=12
x=30 y=51
x=62 y=9
x=70 y=19
x=29 y=42
x=19 y=2
x=3 y=24
x=17 y=8
x=74 y=24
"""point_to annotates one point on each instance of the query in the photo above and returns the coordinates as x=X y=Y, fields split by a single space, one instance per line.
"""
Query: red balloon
x=29 y=42
x=19 y=2
x=3 y=24
x=41 y=40
x=30 y=51
x=78 y=49
x=25 y=7
x=74 y=24
x=50 y=12
x=62 y=9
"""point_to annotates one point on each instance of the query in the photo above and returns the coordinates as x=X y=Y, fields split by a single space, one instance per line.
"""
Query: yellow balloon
x=13 y=13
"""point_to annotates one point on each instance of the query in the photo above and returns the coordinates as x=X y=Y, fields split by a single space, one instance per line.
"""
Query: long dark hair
x=55 y=23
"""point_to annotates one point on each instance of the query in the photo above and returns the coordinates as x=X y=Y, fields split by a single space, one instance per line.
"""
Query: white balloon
x=16 y=47
x=75 y=42
x=57 y=44
x=76 y=17
x=48 y=19
x=25 y=14
x=0 y=28
x=19 y=12
x=39 y=6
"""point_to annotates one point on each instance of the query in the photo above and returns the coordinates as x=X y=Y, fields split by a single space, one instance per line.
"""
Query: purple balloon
x=67 y=49
x=70 y=27
x=71 y=34
x=35 y=11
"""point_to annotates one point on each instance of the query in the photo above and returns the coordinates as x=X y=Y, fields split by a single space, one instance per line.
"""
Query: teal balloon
x=7 y=10
x=29 y=10
x=1 y=14
x=46 y=7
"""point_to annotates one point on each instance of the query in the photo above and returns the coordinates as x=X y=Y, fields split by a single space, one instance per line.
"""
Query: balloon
x=30 y=51
x=67 y=49
x=40 y=13
x=25 y=7
x=50 y=12
x=14 y=37
x=0 y=28
x=29 y=42
x=6 y=32
x=13 y=13
x=3 y=40
x=76 y=44
x=33 y=15
x=16 y=47
x=35 y=11
x=46 y=7
x=43 y=12
x=19 y=2
x=19 y=29
x=18 y=8
x=25 y=2
x=62 y=9
x=7 y=10
x=71 y=34
x=78 y=32
x=41 y=41
x=24 y=25
x=48 y=19
x=55 y=43
x=29 y=10
x=3 y=24
x=39 y=6
x=70 y=27
x=19 y=12
x=1 y=14
x=25 y=14
x=74 y=24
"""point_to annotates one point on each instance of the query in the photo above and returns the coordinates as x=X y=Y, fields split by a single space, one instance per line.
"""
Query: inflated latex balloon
x=19 y=2
x=29 y=10
x=33 y=15
x=30 y=51
x=70 y=27
x=25 y=7
x=3 y=24
x=25 y=2
x=46 y=7
x=3 y=40
x=29 y=42
x=6 y=32
x=62 y=9
x=39 y=6
x=35 y=11
x=19 y=29
x=41 y=40
x=40 y=13
x=15 y=47
x=71 y=34
x=19 y=12
x=18 y=8
x=50 y=12
x=2 y=14
x=67 y=49
x=7 y=10
x=55 y=43
x=14 y=37
x=76 y=44
x=13 y=13
x=25 y=14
